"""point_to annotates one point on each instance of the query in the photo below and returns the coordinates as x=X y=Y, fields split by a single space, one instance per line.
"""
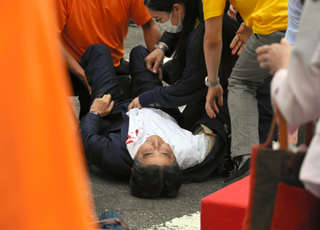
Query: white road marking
x=190 y=222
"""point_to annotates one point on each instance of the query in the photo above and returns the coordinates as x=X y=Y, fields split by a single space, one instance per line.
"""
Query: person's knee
x=137 y=63
x=138 y=52
x=99 y=48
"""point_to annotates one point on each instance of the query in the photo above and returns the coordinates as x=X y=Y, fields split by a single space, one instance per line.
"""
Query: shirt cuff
x=146 y=99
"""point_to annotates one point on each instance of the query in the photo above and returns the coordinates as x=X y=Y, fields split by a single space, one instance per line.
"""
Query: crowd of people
x=215 y=72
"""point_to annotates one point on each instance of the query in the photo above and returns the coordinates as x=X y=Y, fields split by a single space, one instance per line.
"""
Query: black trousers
x=96 y=62
x=100 y=66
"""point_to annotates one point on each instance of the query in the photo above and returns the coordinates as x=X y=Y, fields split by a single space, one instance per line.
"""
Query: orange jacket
x=43 y=180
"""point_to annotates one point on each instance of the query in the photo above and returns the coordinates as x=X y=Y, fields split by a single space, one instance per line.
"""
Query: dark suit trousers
x=103 y=80
x=98 y=65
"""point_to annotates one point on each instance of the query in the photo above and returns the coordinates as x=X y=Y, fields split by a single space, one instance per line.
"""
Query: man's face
x=154 y=151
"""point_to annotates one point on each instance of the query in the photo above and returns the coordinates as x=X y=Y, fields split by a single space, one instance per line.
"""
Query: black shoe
x=240 y=173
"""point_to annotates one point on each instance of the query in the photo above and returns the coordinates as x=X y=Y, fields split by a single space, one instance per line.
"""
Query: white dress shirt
x=188 y=149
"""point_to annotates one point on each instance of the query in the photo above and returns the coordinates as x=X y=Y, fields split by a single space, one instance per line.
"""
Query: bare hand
x=135 y=104
x=211 y=106
x=242 y=35
x=275 y=56
x=154 y=61
x=103 y=105
x=232 y=12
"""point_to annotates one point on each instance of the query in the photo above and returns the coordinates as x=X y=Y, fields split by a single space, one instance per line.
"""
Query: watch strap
x=215 y=83
x=161 y=46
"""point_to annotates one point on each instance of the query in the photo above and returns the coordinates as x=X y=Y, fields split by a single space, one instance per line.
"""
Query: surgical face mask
x=167 y=26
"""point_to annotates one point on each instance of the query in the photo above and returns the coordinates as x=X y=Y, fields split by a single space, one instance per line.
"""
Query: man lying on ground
x=146 y=145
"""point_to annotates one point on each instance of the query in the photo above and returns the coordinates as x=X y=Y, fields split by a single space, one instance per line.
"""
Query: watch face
x=161 y=46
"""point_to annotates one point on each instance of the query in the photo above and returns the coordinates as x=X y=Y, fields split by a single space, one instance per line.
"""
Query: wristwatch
x=215 y=83
x=96 y=113
x=161 y=46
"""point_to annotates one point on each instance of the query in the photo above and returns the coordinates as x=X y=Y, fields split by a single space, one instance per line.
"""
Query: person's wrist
x=213 y=83
x=161 y=46
x=96 y=113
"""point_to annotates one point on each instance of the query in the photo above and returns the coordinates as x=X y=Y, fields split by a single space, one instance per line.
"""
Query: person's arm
x=212 y=50
x=155 y=58
x=296 y=91
x=242 y=35
x=94 y=143
x=62 y=14
x=74 y=66
x=170 y=39
x=275 y=56
x=232 y=12
x=151 y=33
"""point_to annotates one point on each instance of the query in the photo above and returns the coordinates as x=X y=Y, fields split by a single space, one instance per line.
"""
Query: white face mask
x=167 y=26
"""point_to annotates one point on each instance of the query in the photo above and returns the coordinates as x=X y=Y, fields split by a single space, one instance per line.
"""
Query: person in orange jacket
x=81 y=24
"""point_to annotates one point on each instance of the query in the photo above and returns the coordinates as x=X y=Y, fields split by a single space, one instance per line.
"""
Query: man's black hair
x=153 y=181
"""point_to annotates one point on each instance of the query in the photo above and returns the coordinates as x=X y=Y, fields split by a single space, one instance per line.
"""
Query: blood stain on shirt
x=129 y=141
